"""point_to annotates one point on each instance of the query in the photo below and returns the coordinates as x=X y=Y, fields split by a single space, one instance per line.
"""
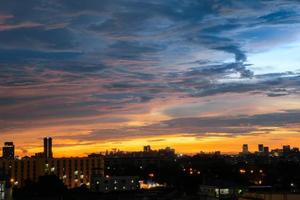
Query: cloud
x=75 y=61
x=220 y=126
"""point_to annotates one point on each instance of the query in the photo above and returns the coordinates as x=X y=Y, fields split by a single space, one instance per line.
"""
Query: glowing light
x=150 y=185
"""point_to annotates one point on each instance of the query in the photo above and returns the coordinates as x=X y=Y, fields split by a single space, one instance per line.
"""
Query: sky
x=197 y=76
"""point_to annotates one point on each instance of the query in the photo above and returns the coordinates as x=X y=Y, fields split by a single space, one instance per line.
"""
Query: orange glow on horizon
x=183 y=143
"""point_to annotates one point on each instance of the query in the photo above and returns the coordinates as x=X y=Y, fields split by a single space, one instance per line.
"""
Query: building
x=286 y=148
x=48 y=147
x=8 y=151
x=73 y=171
x=39 y=155
x=114 y=183
x=245 y=149
x=266 y=150
x=219 y=190
x=5 y=190
x=115 y=161
x=260 y=148
x=147 y=148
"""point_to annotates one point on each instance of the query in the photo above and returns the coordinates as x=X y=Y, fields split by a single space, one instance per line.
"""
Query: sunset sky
x=193 y=75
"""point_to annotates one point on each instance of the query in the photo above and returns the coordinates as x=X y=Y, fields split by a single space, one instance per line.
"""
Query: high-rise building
x=286 y=148
x=260 y=148
x=48 y=147
x=147 y=148
x=245 y=149
x=266 y=150
x=8 y=151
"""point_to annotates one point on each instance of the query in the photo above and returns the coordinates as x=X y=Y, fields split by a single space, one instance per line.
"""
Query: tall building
x=48 y=147
x=147 y=148
x=260 y=148
x=8 y=151
x=245 y=149
x=286 y=149
x=266 y=150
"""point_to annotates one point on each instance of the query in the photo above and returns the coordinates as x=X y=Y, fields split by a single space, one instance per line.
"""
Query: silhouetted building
x=266 y=150
x=39 y=155
x=139 y=160
x=245 y=149
x=147 y=148
x=286 y=148
x=48 y=147
x=260 y=148
x=8 y=150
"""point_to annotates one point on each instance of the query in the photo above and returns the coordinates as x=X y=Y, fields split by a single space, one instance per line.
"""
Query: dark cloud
x=220 y=126
x=63 y=59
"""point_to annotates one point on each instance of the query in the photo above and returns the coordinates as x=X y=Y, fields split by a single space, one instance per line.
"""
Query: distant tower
x=245 y=149
x=286 y=148
x=147 y=148
x=260 y=148
x=48 y=147
x=266 y=150
x=8 y=151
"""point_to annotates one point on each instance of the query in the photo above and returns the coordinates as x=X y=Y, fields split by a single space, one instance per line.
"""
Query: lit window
x=292 y=184
x=224 y=191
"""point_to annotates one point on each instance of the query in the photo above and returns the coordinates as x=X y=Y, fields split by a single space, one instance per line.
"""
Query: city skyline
x=195 y=76
x=8 y=151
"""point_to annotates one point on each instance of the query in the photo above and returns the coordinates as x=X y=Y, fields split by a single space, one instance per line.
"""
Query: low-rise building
x=73 y=171
x=114 y=183
x=219 y=190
